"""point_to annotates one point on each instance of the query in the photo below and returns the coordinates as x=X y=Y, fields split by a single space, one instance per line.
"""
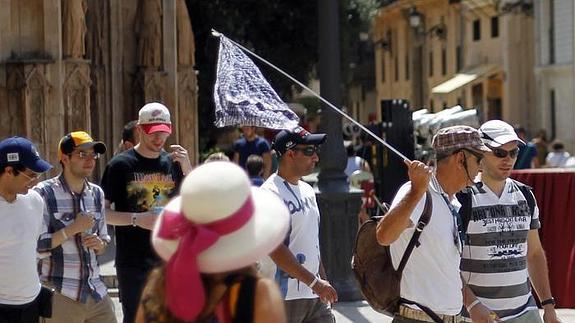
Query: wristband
x=134 y=220
x=548 y=301
x=64 y=234
x=312 y=284
x=475 y=302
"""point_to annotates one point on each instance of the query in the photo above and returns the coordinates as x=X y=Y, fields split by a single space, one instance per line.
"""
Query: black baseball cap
x=288 y=139
x=19 y=150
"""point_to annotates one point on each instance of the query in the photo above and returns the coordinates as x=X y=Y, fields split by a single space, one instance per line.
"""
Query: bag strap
x=426 y=309
x=423 y=221
x=527 y=192
x=245 y=306
x=464 y=198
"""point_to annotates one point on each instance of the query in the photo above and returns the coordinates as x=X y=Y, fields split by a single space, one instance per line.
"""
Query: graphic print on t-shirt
x=505 y=229
x=147 y=191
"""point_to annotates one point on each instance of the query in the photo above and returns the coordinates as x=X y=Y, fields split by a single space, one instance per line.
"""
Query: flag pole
x=343 y=114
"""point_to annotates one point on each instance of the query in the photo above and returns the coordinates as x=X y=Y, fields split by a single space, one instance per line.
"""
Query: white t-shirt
x=303 y=236
x=431 y=276
x=20 y=225
x=557 y=159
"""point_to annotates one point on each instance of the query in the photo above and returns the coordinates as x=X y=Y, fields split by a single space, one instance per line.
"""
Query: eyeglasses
x=31 y=178
x=85 y=155
x=308 y=151
x=477 y=155
x=502 y=153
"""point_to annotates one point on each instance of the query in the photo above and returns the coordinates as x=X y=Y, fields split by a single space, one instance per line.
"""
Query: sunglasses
x=308 y=151
x=477 y=155
x=502 y=153
x=84 y=155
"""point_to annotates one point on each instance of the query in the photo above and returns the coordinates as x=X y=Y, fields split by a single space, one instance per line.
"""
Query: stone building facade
x=67 y=65
x=439 y=53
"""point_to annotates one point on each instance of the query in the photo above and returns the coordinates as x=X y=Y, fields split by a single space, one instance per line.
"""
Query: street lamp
x=414 y=18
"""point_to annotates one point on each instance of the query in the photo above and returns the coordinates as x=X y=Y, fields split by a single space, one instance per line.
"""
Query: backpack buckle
x=420 y=226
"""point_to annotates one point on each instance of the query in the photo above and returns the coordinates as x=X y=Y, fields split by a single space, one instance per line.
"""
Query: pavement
x=345 y=312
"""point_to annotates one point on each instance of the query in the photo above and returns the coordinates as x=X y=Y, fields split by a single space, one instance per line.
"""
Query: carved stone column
x=26 y=110
x=77 y=95
x=188 y=112
x=187 y=89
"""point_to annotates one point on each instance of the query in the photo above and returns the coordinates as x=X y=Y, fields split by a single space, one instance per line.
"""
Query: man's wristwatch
x=134 y=216
x=548 y=301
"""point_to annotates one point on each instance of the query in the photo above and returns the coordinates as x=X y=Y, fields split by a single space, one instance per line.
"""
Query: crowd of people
x=236 y=241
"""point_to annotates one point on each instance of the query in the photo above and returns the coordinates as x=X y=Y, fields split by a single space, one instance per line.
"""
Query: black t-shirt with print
x=134 y=183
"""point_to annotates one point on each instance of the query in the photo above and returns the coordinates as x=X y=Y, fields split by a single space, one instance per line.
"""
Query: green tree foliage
x=283 y=32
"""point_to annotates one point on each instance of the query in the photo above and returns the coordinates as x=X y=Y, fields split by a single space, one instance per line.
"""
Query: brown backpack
x=378 y=280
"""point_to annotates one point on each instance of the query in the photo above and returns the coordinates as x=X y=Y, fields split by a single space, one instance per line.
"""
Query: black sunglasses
x=502 y=153
x=477 y=155
x=308 y=151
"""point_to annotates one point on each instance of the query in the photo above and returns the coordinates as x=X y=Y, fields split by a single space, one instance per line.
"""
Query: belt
x=419 y=315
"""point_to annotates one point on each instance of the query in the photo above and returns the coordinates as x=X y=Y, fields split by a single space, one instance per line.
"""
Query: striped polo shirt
x=494 y=261
x=71 y=268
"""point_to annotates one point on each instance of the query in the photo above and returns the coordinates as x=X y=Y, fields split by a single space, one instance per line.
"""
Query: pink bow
x=184 y=289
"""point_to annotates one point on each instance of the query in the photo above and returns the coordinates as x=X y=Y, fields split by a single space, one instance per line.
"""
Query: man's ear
x=9 y=170
x=460 y=159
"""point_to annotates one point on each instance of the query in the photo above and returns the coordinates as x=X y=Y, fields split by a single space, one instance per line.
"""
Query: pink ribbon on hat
x=184 y=289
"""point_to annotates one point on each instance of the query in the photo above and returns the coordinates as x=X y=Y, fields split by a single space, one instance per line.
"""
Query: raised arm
x=397 y=219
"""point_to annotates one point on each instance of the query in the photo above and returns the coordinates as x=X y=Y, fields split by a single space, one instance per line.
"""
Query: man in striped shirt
x=73 y=233
x=503 y=253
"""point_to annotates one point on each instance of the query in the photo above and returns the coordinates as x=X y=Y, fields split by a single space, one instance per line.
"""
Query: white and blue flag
x=243 y=96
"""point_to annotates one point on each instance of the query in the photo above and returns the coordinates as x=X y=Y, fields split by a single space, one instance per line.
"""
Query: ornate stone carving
x=26 y=96
x=186 y=43
x=149 y=33
x=74 y=28
x=188 y=111
x=77 y=97
x=36 y=91
x=97 y=20
x=13 y=121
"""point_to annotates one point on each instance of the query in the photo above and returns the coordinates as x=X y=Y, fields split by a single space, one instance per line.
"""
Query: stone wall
x=76 y=64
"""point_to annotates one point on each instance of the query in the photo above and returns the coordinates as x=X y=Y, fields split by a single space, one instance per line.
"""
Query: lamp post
x=418 y=81
x=338 y=206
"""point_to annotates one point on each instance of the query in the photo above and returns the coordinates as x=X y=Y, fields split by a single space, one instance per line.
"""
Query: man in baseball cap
x=70 y=241
x=433 y=270
x=517 y=258
x=21 y=212
x=297 y=264
x=137 y=184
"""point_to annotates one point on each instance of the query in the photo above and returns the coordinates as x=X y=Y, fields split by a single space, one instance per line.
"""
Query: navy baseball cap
x=287 y=139
x=18 y=150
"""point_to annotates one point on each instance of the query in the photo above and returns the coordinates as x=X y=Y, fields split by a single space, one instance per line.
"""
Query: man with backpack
x=503 y=253
x=431 y=283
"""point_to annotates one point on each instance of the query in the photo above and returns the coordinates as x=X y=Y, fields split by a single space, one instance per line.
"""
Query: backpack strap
x=423 y=221
x=464 y=198
x=246 y=300
x=527 y=192
x=421 y=224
